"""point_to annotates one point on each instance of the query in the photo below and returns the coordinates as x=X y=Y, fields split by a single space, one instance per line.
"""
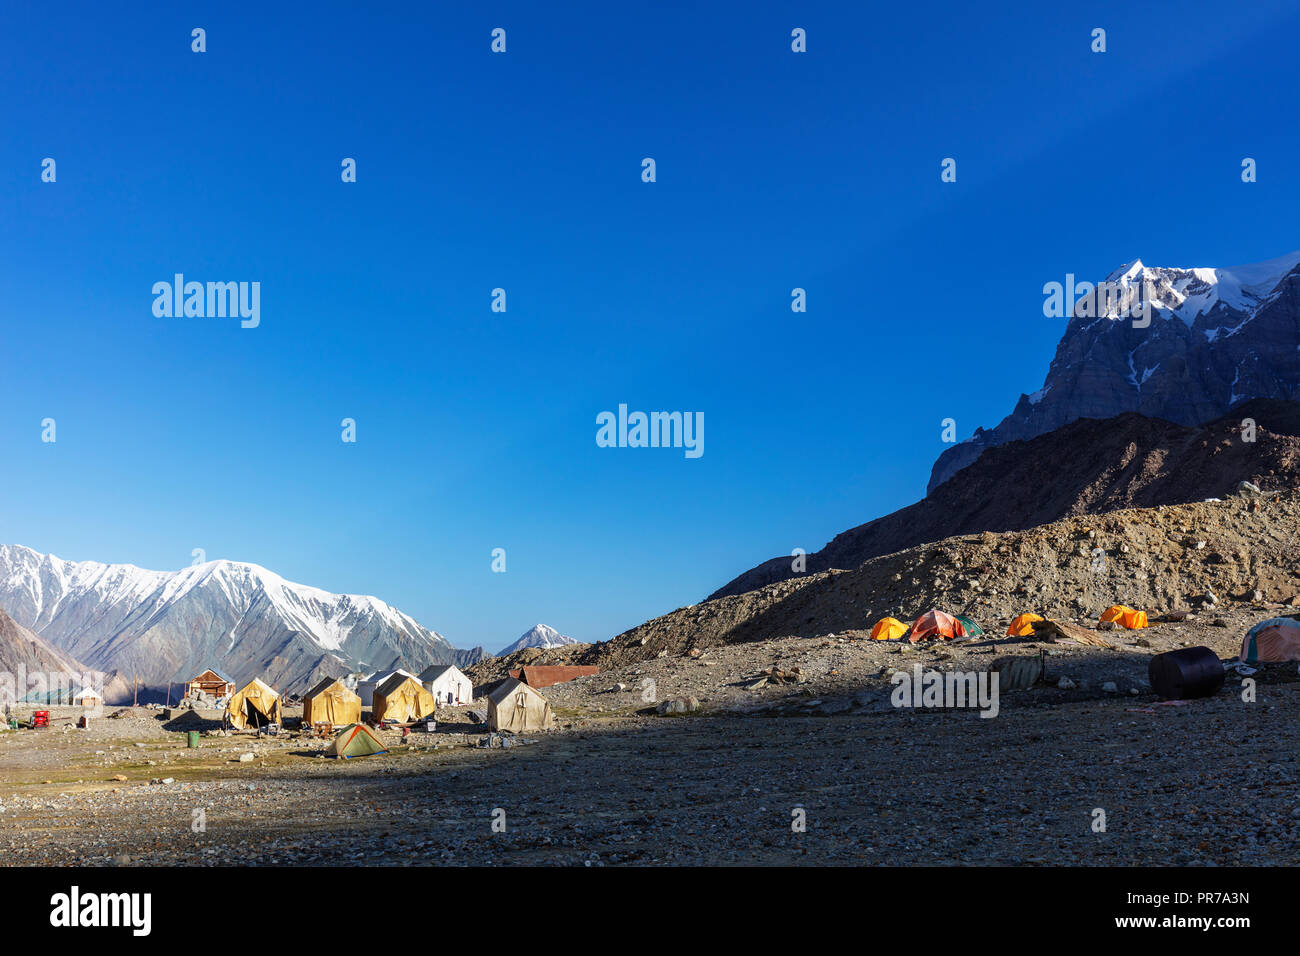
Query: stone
x=678 y=705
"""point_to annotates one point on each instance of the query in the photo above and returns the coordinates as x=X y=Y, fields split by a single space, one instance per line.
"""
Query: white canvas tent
x=88 y=697
x=448 y=684
x=516 y=707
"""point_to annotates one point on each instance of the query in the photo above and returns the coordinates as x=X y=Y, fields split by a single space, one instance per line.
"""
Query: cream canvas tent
x=330 y=702
x=448 y=684
x=402 y=698
x=367 y=686
x=255 y=705
x=516 y=707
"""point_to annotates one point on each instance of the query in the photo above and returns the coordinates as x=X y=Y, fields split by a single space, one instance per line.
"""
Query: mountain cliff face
x=21 y=650
x=1216 y=337
x=240 y=618
x=1086 y=467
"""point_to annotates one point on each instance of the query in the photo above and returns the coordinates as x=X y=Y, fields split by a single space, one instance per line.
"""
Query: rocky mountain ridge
x=1213 y=339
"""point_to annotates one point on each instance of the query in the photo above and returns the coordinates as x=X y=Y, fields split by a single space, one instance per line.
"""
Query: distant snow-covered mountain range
x=166 y=626
x=539 y=635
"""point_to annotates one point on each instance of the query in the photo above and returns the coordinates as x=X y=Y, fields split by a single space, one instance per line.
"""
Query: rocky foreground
x=787 y=730
x=763 y=728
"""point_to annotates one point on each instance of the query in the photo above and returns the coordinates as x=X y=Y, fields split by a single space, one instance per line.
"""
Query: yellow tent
x=256 y=705
x=402 y=698
x=331 y=702
x=1126 y=616
x=1023 y=626
x=516 y=707
x=888 y=629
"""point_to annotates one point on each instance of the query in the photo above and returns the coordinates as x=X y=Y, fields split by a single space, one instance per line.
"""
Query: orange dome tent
x=888 y=629
x=936 y=625
x=1125 y=616
x=1023 y=626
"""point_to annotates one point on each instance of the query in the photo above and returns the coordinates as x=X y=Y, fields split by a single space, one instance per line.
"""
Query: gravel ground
x=1208 y=782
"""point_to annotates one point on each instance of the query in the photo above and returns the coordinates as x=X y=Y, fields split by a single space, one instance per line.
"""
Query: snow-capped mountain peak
x=234 y=615
x=1237 y=337
x=1188 y=294
x=539 y=635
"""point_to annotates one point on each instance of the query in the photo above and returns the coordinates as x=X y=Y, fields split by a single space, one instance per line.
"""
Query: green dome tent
x=357 y=740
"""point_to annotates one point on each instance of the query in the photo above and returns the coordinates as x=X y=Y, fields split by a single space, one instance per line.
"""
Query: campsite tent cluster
x=933 y=625
x=1274 y=640
x=398 y=697
x=936 y=625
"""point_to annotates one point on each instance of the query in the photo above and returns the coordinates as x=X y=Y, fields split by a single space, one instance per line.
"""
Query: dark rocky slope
x=1086 y=467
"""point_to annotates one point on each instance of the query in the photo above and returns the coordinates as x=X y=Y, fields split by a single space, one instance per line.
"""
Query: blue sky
x=521 y=170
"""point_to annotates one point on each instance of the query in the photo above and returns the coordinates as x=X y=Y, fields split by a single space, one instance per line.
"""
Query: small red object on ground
x=41 y=718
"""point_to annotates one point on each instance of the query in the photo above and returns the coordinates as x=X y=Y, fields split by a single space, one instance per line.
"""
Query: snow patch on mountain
x=1188 y=294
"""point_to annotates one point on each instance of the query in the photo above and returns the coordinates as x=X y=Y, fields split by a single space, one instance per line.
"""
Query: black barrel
x=1186 y=673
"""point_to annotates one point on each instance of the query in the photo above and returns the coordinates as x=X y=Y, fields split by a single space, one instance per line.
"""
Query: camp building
x=367 y=686
x=403 y=699
x=544 y=675
x=448 y=684
x=332 y=703
x=211 y=683
x=88 y=697
x=255 y=705
x=516 y=707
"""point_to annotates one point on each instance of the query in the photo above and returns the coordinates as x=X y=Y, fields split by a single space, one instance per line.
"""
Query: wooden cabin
x=210 y=684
